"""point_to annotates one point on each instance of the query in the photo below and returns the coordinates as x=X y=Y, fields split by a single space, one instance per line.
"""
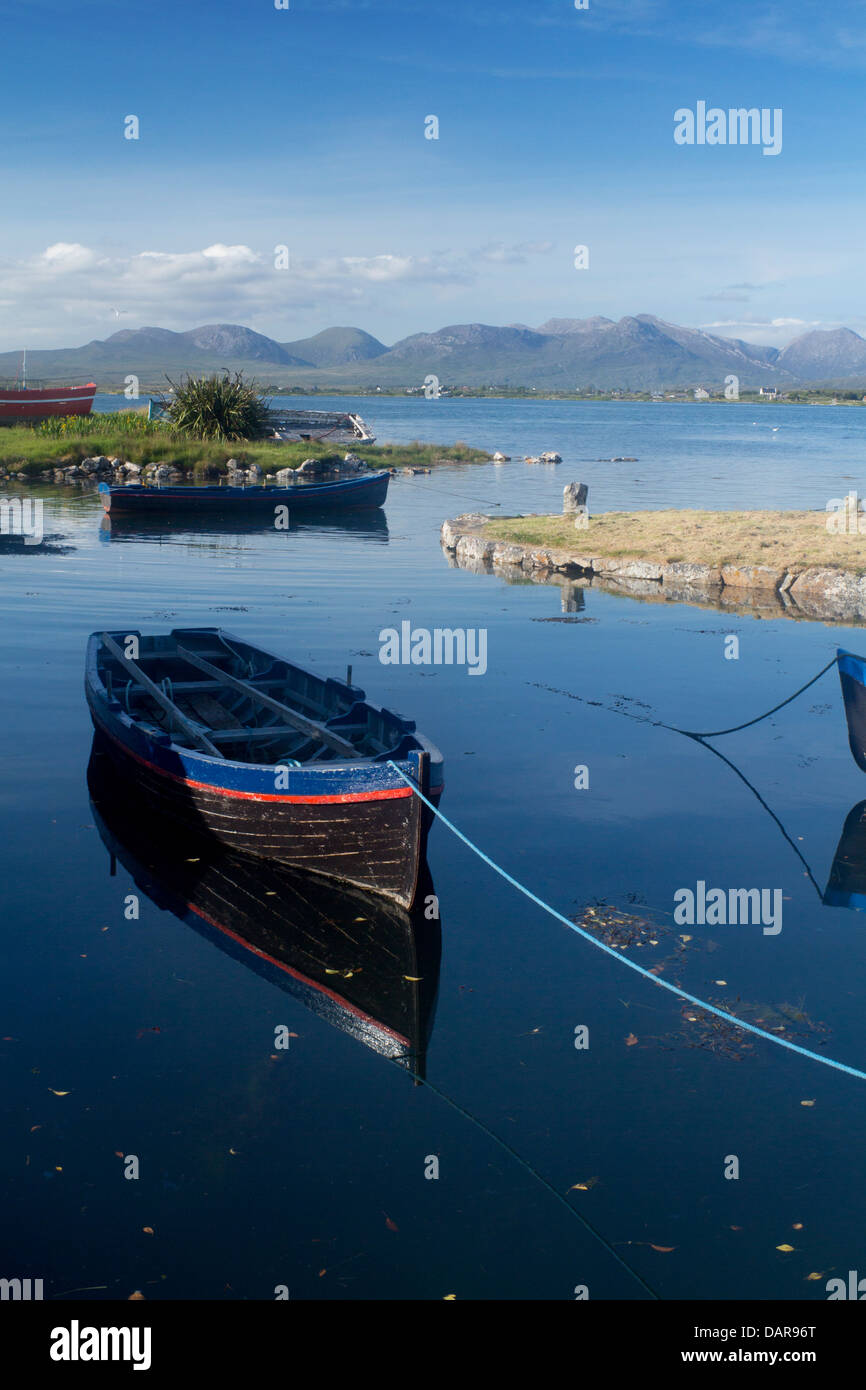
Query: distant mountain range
x=636 y=353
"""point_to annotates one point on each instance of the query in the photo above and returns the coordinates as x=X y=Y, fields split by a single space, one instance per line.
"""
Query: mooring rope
x=524 y=1163
x=623 y=959
x=717 y=733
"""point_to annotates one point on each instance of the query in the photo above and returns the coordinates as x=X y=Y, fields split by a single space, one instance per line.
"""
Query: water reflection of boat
x=846 y=886
x=371 y=523
x=361 y=963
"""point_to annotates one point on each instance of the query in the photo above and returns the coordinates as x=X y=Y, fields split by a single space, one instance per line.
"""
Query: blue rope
x=624 y=960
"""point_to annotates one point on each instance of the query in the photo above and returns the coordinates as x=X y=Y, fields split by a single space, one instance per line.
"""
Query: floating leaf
x=662 y=1249
x=137 y=1296
x=148 y=1230
x=797 y=1226
x=413 y=979
x=814 y=1275
x=720 y=982
x=631 y=1040
x=583 y=1186
x=58 y=1093
x=118 y=1153
x=392 y=1225
x=449 y=1297
x=786 y=1249
x=33 y=1128
x=321 y=1272
x=685 y=938
x=807 y=1102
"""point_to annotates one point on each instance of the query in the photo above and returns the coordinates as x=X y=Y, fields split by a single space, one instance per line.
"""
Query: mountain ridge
x=637 y=352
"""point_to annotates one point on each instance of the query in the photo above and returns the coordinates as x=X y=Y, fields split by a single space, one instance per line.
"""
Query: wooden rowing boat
x=264 y=756
x=852 y=674
x=362 y=964
x=132 y=499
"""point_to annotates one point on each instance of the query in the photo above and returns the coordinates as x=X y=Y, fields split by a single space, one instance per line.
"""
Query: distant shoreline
x=802 y=397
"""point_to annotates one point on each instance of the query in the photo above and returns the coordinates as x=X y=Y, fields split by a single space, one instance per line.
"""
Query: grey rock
x=574 y=495
x=682 y=573
x=630 y=569
x=474 y=548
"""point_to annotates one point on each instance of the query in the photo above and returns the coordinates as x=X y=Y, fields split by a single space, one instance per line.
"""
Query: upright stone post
x=574 y=503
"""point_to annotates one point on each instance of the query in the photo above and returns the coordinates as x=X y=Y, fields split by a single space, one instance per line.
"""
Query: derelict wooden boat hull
x=344 y=493
x=362 y=964
x=356 y=822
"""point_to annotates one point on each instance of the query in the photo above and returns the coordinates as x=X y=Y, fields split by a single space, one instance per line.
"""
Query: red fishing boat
x=23 y=404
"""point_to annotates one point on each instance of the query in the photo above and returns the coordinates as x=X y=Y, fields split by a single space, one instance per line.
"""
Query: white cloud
x=66 y=256
x=69 y=291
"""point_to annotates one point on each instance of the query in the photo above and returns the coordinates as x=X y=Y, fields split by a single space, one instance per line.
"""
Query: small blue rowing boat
x=264 y=756
x=132 y=499
x=852 y=674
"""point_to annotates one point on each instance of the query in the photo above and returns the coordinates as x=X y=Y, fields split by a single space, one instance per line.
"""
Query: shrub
x=217 y=407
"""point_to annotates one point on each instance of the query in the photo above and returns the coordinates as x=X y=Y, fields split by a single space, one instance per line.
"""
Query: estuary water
x=562 y=1087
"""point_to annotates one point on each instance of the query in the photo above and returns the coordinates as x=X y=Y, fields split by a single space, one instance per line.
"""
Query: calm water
x=258 y=1172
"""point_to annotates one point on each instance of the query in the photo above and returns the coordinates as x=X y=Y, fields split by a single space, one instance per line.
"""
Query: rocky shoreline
x=102 y=469
x=828 y=595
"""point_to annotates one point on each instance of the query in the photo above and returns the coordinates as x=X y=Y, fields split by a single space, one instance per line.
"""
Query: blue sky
x=305 y=127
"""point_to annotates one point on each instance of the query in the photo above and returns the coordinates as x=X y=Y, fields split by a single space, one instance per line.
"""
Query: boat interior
x=204 y=689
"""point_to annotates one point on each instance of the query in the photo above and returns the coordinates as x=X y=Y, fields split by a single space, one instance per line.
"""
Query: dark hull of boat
x=357 y=820
x=852 y=674
x=135 y=500
x=376 y=844
x=362 y=964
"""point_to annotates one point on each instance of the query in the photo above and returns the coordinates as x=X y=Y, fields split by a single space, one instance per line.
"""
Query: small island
x=214 y=428
x=789 y=562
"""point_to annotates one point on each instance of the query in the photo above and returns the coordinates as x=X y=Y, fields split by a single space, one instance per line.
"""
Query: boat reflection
x=369 y=523
x=846 y=886
x=360 y=962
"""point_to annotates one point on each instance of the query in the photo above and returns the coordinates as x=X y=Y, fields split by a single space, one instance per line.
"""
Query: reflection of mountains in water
x=370 y=524
x=361 y=963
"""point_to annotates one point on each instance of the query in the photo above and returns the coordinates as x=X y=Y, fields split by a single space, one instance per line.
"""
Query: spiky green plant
x=221 y=406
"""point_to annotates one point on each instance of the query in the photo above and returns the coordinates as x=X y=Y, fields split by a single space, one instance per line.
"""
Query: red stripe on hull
x=386 y=794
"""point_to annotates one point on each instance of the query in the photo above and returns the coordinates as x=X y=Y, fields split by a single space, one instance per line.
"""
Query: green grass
x=776 y=540
x=137 y=440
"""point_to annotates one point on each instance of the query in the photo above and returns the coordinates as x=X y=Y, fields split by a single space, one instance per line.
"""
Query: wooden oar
x=291 y=716
x=160 y=697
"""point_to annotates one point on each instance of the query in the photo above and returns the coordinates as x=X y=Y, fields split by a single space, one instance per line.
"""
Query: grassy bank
x=780 y=540
x=29 y=451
